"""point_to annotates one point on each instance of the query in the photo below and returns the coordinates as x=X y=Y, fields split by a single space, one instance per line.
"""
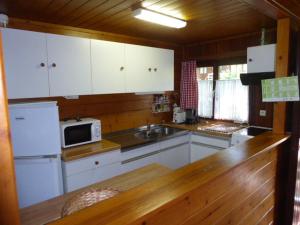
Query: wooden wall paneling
x=9 y=209
x=282 y=70
x=204 y=192
x=256 y=104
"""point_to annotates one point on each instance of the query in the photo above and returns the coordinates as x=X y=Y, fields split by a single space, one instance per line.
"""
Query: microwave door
x=78 y=134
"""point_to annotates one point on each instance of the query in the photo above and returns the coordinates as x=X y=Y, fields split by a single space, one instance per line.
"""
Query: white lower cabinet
x=83 y=172
x=202 y=146
x=176 y=157
x=173 y=153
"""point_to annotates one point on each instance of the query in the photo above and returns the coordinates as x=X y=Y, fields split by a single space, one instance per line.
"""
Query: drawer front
x=218 y=142
x=86 y=178
x=174 y=141
x=79 y=180
x=140 y=151
x=91 y=162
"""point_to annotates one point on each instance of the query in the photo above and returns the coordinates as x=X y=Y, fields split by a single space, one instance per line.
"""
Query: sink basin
x=156 y=132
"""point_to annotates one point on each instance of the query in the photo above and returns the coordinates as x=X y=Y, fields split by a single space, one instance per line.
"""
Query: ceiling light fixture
x=159 y=18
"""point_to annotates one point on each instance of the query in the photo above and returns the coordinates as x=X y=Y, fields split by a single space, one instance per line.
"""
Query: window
x=231 y=97
x=205 y=86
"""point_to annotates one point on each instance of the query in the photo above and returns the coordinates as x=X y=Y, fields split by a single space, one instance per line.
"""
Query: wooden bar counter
x=51 y=210
x=238 y=185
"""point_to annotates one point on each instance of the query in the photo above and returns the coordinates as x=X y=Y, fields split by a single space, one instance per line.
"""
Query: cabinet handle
x=42 y=64
x=250 y=60
x=155 y=69
x=149 y=69
x=53 y=64
x=96 y=162
x=122 y=68
x=19 y=118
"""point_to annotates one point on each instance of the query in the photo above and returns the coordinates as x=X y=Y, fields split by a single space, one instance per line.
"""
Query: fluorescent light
x=155 y=17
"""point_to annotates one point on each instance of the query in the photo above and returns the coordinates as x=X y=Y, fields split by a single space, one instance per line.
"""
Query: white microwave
x=79 y=132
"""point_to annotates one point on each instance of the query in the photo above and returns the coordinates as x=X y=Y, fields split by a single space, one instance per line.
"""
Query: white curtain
x=231 y=100
x=205 y=104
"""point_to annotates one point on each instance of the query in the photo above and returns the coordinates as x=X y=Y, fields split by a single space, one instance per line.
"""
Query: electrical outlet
x=262 y=112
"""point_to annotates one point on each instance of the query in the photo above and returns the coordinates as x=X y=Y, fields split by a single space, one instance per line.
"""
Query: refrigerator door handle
x=37 y=157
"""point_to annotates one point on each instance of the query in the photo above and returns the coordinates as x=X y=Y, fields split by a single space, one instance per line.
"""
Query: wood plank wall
x=228 y=50
x=116 y=111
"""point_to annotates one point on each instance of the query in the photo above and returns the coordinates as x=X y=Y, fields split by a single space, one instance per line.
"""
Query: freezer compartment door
x=38 y=179
x=35 y=131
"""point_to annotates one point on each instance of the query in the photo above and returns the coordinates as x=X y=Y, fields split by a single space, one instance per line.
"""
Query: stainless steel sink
x=156 y=131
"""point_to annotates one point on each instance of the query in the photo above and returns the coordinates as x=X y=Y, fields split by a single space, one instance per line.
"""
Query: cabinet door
x=69 y=61
x=108 y=67
x=139 y=64
x=25 y=56
x=175 y=157
x=261 y=58
x=140 y=161
x=199 y=151
x=163 y=70
x=106 y=172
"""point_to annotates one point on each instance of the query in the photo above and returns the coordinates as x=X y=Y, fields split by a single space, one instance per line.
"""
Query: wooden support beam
x=282 y=70
x=9 y=209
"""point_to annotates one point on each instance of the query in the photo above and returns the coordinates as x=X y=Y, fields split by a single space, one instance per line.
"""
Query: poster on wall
x=281 y=89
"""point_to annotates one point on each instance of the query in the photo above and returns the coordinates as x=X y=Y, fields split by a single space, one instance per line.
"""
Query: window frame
x=215 y=64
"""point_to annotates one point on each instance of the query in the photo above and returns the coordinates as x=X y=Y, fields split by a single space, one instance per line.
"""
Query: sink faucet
x=148 y=132
x=148 y=127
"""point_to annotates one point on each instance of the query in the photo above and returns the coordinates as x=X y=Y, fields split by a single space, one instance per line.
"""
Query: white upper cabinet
x=163 y=69
x=43 y=65
x=139 y=68
x=69 y=62
x=108 y=67
x=261 y=58
x=25 y=57
x=149 y=69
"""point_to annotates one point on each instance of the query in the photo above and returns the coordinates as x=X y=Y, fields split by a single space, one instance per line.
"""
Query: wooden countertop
x=137 y=205
x=51 y=210
x=199 y=128
x=82 y=151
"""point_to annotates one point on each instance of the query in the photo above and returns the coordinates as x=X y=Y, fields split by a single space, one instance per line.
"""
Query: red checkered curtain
x=189 y=86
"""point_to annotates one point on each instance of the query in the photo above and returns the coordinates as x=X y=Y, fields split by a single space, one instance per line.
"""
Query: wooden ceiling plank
x=112 y=12
x=68 y=8
x=266 y=8
x=107 y=5
x=83 y=10
x=118 y=15
x=207 y=19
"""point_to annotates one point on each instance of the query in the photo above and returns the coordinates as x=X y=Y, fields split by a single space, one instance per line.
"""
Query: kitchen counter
x=51 y=210
x=82 y=151
x=210 y=128
x=132 y=138
x=128 y=139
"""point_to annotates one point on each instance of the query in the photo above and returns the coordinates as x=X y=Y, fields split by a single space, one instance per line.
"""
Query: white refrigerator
x=37 y=151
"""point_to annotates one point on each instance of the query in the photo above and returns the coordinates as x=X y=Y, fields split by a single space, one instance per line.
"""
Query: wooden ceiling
x=207 y=19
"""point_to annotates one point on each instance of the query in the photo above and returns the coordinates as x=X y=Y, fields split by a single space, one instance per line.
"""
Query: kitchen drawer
x=91 y=162
x=88 y=177
x=174 y=141
x=213 y=141
x=140 y=151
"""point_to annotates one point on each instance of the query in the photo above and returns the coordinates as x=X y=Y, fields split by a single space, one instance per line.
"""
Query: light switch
x=262 y=112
